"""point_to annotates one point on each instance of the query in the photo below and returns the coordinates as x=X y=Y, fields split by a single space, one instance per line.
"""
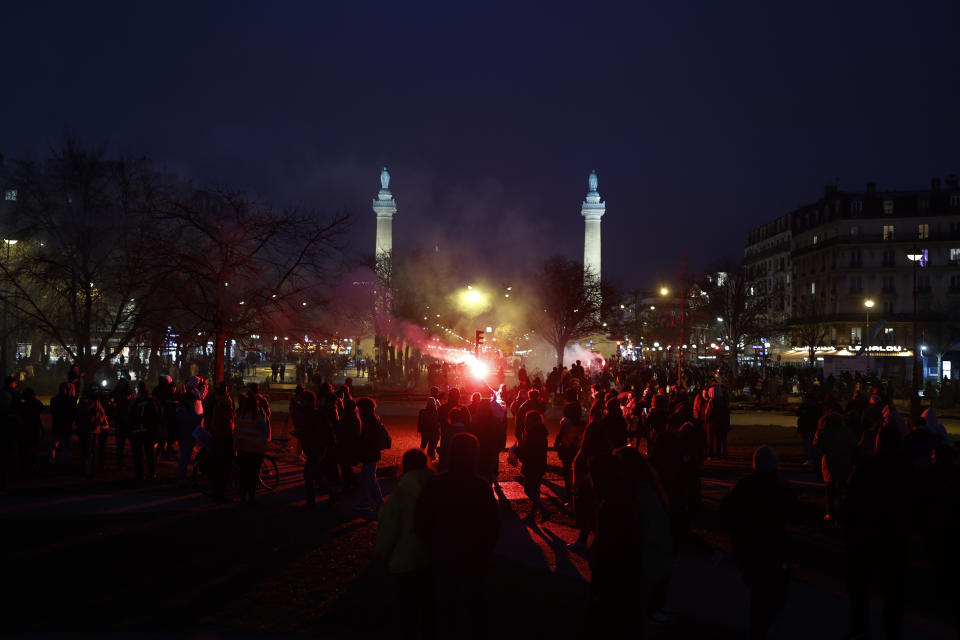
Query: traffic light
x=478 y=342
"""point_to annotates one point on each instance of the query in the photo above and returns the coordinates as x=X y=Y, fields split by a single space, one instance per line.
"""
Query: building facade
x=842 y=267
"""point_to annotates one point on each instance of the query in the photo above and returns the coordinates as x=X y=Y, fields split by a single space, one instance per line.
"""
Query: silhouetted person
x=405 y=552
x=373 y=440
x=595 y=442
x=614 y=423
x=250 y=440
x=837 y=444
x=30 y=430
x=808 y=415
x=533 y=403
x=91 y=424
x=118 y=410
x=319 y=443
x=428 y=426
x=568 y=441
x=716 y=421
x=456 y=423
x=878 y=517
x=941 y=500
x=757 y=511
x=344 y=416
x=533 y=454
x=458 y=519
x=618 y=592
x=63 y=413
x=221 y=423
x=146 y=418
x=491 y=433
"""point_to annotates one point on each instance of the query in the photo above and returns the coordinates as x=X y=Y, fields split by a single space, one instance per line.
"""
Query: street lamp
x=663 y=292
x=917 y=257
x=6 y=339
x=868 y=303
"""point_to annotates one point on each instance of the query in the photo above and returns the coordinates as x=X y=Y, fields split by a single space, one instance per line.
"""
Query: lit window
x=923 y=231
x=855 y=335
x=954 y=256
x=888 y=232
x=888 y=207
x=813 y=288
x=11 y=195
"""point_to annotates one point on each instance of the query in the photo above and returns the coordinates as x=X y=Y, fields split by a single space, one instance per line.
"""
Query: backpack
x=381 y=437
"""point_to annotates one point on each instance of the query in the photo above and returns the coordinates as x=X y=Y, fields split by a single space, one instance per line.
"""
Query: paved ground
x=111 y=556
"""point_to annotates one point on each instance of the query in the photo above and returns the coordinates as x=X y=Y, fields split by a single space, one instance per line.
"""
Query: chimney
x=935 y=184
x=871 y=188
x=952 y=181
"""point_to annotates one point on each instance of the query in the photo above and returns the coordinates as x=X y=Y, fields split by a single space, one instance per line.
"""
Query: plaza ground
x=108 y=555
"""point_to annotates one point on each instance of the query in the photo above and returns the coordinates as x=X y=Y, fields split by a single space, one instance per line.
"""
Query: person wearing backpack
x=145 y=417
x=250 y=441
x=374 y=438
x=568 y=441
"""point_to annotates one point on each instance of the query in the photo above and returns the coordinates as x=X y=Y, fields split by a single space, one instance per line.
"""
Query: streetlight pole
x=868 y=303
x=916 y=256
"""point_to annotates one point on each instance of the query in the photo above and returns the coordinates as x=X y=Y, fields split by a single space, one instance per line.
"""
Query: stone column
x=384 y=205
x=592 y=210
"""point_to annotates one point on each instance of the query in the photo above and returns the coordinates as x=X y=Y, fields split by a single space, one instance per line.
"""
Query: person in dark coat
x=453 y=402
x=614 y=423
x=808 y=415
x=941 y=521
x=30 y=430
x=457 y=422
x=458 y=519
x=878 y=518
x=370 y=446
x=837 y=444
x=533 y=454
x=428 y=426
x=533 y=403
x=319 y=443
x=568 y=442
x=63 y=413
x=146 y=419
x=618 y=592
x=491 y=433
x=757 y=511
x=717 y=422
x=595 y=442
x=342 y=414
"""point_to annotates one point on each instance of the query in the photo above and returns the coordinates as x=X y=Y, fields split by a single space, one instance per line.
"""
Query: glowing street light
x=664 y=291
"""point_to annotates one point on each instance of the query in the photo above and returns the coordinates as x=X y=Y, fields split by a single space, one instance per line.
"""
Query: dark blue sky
x=702 y=119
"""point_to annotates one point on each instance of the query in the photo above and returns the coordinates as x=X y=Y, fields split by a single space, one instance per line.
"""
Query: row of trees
x=109 y=253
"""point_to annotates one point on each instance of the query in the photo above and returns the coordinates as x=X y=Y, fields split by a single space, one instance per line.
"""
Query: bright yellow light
x=471 y=301
x=664 y=291
x=868 y=303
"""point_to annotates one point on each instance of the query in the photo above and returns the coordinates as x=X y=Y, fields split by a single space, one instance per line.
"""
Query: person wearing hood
x=893 y=420
x=757 y=511
x=404 y=551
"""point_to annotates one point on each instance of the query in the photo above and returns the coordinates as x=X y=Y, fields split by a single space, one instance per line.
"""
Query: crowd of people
x=632 y=462
x=631 y=454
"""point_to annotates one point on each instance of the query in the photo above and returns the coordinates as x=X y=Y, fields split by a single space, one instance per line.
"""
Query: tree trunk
x=560 y=349
x=220 y=345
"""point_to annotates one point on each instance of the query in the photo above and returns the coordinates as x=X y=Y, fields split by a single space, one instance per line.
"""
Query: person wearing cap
x=757 y=511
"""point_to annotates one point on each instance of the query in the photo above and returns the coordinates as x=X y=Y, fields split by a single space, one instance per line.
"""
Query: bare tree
x=241 y=265
x=728 y=295
x=568 y=304
x=83 y=269
x=809 y=328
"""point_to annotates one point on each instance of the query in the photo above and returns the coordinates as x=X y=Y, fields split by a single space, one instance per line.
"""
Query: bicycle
x=268 y=476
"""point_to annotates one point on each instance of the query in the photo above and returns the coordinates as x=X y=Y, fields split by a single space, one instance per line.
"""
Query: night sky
x=702 y=119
